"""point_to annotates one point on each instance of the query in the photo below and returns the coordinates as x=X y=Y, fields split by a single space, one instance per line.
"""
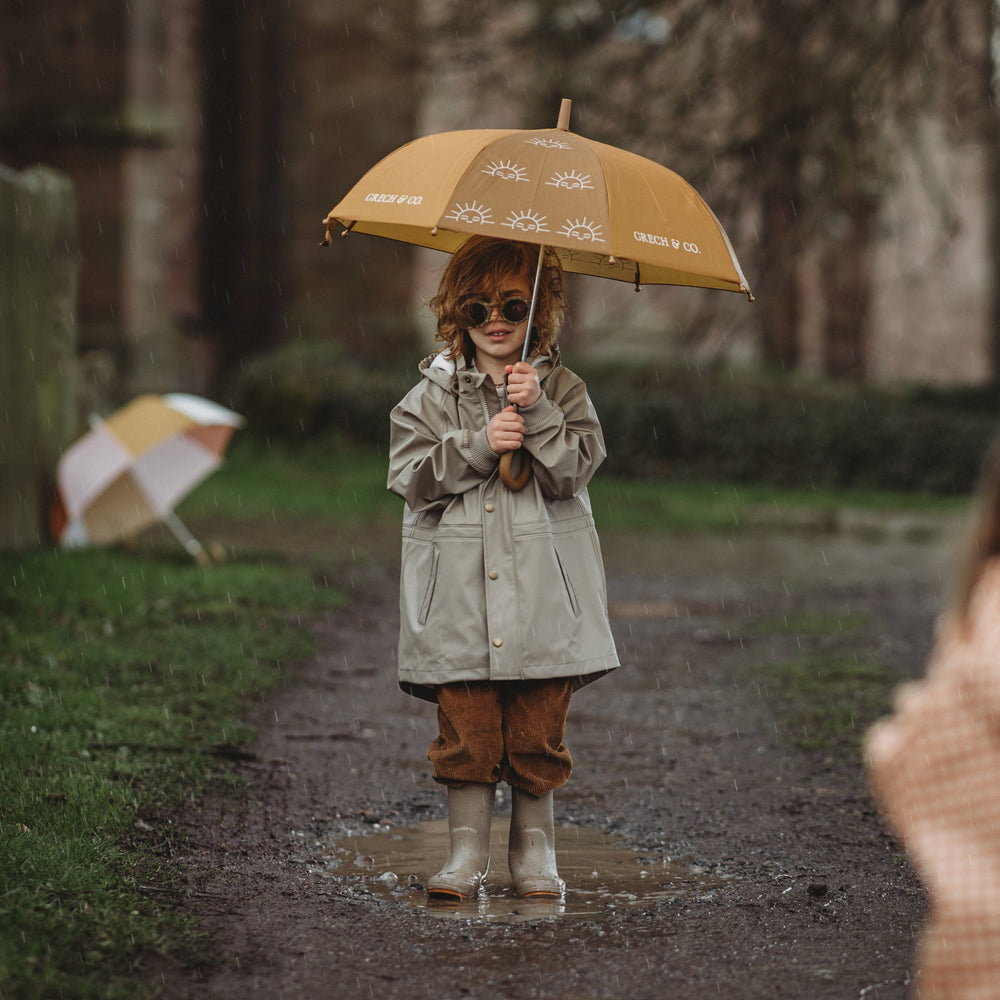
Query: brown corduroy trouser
x=510 y=730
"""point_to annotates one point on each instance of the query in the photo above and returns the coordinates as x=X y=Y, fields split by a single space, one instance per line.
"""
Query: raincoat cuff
x=481 y=456
x=542 y=413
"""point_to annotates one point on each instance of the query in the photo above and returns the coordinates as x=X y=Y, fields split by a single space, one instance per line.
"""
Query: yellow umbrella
x=602 y=210
x=131 y=470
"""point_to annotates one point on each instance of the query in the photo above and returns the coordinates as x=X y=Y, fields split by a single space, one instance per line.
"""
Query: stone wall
x=38 y=259
x=107 y=92
x=207 y=142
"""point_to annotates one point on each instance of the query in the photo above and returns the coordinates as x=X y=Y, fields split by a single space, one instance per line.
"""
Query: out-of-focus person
x=934 y=768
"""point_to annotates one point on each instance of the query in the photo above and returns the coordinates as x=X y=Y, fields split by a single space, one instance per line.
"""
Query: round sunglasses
x=512 y=310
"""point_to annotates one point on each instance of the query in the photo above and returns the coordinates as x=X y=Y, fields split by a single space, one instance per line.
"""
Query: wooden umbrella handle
x=514 y=482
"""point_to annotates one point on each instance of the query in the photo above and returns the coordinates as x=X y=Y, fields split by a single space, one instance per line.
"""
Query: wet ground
x=709 y=847
x=605 y=875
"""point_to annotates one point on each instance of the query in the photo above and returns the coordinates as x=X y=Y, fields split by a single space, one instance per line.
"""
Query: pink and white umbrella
x=130 y=471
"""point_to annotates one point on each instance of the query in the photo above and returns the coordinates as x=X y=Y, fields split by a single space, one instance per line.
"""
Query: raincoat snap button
x=489 y=508
x=494 y=574
x=498 y=642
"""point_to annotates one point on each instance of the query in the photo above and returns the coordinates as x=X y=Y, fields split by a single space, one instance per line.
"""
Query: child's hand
x=522 y=384
x=505 y=432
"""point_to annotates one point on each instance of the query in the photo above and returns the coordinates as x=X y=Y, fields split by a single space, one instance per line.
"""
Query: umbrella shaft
x=534 y=302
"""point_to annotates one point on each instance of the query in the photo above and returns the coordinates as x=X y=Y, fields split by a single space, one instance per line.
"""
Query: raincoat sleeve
x=431 y=458
x=563 y=435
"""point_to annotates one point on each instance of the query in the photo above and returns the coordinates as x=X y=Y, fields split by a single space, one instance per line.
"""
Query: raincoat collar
x=441 y=369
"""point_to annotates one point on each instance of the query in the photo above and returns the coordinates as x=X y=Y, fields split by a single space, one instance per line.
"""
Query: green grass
x=826 y=702
x=825 y=697
x=809 y=622
x=123 y=682
x=684 y=506
x=348 y=487
x=345 y=486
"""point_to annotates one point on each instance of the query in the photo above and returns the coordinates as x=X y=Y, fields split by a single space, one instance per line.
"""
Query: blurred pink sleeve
x=934 y=767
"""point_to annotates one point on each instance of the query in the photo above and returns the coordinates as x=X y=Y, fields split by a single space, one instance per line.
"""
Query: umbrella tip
x=564 y=110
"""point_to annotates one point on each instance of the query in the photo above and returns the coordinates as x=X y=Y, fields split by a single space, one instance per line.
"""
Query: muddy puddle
x=602 y=877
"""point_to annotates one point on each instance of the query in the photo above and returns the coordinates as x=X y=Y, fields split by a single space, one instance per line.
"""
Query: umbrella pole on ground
x=518 y=481
x=192 y=546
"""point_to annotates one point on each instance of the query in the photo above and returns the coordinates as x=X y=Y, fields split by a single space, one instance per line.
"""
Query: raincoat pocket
x=425 y=604
x=568 y=584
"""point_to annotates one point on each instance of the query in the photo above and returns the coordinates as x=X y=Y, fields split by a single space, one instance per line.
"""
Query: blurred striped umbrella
x=130 y=471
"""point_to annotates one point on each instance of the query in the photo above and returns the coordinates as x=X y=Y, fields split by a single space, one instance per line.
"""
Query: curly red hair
x=482 y=266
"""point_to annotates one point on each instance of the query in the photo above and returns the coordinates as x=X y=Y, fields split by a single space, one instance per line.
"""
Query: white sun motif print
x=506 y=171
x=571 y=181
x=474 y=213
x=541 y=140
x=583 y=230
x=527 y=222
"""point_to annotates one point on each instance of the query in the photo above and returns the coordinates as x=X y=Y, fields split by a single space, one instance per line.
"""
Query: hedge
x=707 y=424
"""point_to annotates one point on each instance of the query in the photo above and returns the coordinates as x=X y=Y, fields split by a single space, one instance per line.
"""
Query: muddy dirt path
x=747 y=868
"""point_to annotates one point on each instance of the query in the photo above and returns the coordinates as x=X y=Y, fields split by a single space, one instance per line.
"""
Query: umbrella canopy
x=605 y=211
x=131 y=470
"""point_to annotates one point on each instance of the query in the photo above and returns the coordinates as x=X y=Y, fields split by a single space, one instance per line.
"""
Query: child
x=503 y=610
x=935 y=769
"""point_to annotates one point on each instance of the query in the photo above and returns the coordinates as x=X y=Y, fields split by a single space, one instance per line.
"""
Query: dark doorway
x=242 y=235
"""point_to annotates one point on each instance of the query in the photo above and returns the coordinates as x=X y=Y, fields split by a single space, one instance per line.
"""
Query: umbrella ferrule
x=564 y=112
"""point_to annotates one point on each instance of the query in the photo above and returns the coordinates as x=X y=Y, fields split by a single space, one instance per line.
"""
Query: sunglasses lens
x=479 y=313
x=515 y=310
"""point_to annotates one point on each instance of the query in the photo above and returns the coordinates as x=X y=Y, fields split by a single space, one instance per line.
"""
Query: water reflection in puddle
x=601 y=876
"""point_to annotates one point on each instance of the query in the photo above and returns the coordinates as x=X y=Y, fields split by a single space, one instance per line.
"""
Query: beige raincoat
x=497 y=585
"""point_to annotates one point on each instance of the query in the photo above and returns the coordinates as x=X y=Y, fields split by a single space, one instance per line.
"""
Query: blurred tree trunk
x=778 y=292
x=845 y=270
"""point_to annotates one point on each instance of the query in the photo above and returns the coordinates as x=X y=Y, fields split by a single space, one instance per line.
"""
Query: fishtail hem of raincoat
x=586 y=675
x=582 y=668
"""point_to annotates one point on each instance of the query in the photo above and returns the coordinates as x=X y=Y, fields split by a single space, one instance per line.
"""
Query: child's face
x=499 y=341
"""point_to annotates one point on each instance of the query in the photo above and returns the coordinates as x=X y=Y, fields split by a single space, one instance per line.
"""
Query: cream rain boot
x=470 y=810
x=531 y=853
